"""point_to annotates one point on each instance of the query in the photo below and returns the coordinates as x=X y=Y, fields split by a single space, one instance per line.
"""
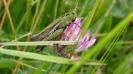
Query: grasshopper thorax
x=73 y=15
x=67 y=19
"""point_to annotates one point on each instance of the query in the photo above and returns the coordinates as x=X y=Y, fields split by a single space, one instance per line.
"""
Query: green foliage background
x=110 y=20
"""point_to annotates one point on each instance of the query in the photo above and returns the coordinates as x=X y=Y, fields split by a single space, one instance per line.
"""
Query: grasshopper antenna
x=76 y=7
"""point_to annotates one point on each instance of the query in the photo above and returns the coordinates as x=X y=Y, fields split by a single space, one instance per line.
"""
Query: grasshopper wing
x=44 y=34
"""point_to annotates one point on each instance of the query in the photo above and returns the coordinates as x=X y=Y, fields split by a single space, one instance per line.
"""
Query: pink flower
x=72 y=33
x=84 y=43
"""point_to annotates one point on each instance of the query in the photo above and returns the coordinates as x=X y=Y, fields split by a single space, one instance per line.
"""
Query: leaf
x=37 y=43
x=36 y=56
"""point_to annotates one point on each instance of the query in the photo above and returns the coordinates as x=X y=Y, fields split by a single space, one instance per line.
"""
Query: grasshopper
x=55 y=29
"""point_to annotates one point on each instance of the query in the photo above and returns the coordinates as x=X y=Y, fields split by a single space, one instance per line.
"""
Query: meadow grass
x=110 y=20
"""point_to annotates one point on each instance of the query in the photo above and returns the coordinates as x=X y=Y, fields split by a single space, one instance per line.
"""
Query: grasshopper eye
x=73 y=20
x=74 y=11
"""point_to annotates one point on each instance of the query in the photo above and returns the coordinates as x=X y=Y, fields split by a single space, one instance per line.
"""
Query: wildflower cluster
x=72 y=33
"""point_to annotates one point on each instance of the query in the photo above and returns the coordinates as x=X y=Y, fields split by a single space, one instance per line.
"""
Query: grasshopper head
x=73 y=15
x=70 y=17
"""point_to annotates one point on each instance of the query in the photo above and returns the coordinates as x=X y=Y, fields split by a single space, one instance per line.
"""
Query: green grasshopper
x=55 y=29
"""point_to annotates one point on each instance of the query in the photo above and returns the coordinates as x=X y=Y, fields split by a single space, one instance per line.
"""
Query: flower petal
x=75 y=58
x=84 y=43
x=78 y=21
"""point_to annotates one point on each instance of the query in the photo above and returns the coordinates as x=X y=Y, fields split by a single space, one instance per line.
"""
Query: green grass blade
x=88 y=23
x=36 y=56
x=125 y=65
x=10 y=63
x=38 y=43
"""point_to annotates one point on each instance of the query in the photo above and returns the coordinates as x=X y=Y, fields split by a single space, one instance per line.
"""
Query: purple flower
x=72 y=33
x=84 y=43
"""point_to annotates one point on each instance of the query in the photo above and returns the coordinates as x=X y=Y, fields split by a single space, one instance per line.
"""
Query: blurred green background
x=102 y=17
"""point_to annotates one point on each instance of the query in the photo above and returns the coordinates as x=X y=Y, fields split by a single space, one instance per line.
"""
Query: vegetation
x=110 y=20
